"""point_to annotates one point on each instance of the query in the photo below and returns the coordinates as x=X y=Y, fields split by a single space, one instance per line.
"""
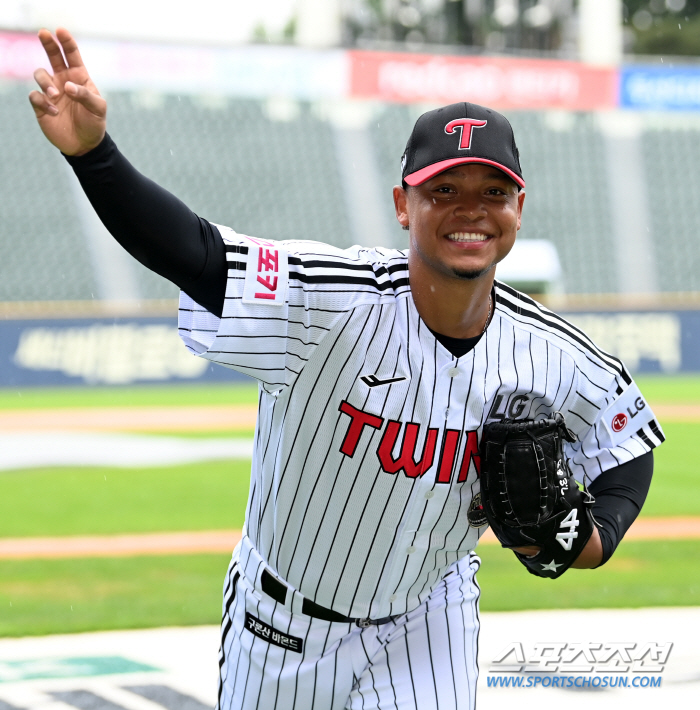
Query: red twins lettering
x=358 y=421
x=465 y=126
x=471 y=453
x=447 y=458
x=406 y=460
x=413 y=460
x=268 y=260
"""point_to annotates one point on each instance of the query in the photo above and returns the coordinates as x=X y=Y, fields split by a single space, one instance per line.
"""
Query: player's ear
x=521 y=202
x=401 y=206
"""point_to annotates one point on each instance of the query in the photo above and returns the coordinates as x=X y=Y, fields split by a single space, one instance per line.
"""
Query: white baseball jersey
x=366 y=451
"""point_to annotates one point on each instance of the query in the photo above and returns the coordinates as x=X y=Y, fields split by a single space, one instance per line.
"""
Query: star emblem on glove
x=551 y=567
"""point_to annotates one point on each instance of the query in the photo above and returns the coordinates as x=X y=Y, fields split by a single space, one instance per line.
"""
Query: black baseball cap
x=458 y=134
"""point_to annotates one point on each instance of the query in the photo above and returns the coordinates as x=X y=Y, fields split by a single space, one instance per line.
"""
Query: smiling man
x=354 y=584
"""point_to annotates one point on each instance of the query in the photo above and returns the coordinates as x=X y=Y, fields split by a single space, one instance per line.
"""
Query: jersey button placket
x=413 y=538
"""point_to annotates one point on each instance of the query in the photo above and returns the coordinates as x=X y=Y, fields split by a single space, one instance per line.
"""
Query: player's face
x=463 y=221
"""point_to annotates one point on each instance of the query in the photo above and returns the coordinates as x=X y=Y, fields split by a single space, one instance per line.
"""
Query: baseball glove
x=529 y=495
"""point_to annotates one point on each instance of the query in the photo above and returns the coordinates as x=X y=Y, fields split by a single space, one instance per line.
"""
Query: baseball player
x=354 y=584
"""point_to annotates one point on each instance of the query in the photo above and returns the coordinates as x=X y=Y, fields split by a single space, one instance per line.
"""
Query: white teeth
x=467 y=237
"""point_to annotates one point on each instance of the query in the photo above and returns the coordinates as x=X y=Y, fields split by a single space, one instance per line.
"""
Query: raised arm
x=149 y=222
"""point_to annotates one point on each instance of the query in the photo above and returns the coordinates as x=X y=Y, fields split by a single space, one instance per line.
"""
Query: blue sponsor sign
x=127 y=351
x=646 y=341
x=100 y=351
x=660 y=88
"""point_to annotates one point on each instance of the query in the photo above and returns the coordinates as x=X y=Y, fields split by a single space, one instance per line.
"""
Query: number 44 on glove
x=530 y=496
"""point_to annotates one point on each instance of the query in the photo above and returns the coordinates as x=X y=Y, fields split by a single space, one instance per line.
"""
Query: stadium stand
x=568 y=201
x=230 y=161
x=672 y=157
x=235 y=165
x=42 y=253
x=274 y=173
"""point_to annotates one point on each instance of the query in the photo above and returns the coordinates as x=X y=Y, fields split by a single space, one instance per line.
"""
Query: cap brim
x=420 y=176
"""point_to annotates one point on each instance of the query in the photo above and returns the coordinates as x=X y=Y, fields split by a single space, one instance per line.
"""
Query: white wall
x=205 y=21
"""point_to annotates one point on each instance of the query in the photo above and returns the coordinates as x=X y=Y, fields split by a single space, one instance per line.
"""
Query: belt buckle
x=363 y=623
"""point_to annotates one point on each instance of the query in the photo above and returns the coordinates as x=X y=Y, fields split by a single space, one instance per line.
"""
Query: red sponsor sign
x=619 y=422
x=20 y=55
x=493 y=81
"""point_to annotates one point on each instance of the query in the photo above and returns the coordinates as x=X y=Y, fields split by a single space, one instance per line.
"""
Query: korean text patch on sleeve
x=267 y=275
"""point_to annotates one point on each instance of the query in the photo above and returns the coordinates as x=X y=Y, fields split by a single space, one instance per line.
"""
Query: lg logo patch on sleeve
x=626 y=415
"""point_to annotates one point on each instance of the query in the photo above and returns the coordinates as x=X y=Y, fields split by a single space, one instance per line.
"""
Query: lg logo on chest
x=510 y=410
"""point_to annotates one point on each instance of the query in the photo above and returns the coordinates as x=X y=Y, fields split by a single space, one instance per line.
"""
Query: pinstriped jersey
x=366 y=455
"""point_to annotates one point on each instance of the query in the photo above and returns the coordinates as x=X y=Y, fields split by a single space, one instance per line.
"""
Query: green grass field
x=210 y=496
x=66 y=596
x=56 y=596
x=107 y=501
x=666 y=389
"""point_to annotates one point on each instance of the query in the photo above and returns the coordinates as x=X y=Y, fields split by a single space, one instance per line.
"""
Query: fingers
x=64 y=55
x=53 y=51
x=41 y=104
x=93 y=102
x=70 y=47
x=45 y=81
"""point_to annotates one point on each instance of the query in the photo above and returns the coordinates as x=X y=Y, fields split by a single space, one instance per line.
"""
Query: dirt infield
x=194 y=418
x=178 y=543
x=677 y=412
x=223 y=541
x=172 y=419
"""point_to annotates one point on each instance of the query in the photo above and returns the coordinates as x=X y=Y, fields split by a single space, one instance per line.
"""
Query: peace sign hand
x=69 y=108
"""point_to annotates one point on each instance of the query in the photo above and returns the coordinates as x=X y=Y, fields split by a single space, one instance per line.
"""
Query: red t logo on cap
x=465 y=126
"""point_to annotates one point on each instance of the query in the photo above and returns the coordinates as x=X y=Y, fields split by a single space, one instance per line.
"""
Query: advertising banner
x=263 y=71
x=128 y=351
x=646 y=341
x=100 y=351
x=500 y=82
x=254 y=71
x=660 y=88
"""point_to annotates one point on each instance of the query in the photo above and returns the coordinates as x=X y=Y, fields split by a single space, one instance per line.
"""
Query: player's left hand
x=530 y=497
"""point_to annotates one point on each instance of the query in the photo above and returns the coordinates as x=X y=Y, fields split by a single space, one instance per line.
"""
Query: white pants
x=425 y=660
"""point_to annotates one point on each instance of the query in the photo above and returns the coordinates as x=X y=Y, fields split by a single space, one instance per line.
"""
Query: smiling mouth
x=467 y=237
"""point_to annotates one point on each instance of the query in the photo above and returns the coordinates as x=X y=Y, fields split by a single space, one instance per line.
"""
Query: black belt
x=276 y=589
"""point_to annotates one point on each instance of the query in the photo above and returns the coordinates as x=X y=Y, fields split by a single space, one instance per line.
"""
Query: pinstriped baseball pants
x=423 y=660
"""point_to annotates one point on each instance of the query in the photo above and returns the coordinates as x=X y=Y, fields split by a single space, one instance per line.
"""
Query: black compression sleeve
x=153 y=225
x=619 y=495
